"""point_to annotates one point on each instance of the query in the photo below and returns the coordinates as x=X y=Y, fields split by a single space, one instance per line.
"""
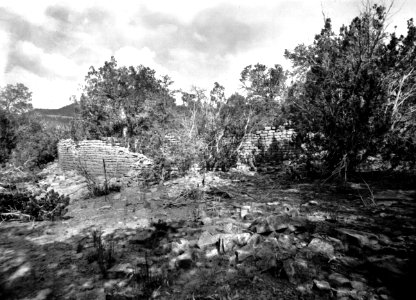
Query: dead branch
x=15 y=214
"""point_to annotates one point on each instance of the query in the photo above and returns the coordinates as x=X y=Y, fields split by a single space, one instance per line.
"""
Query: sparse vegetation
x=95 y=187
x=195 y=217
x=25 y=206
x=355 y=88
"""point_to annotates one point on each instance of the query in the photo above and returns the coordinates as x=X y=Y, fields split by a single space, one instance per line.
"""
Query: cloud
x=20 y=29
x=4 y=49
x=214 y=31
x=34 y=59
x=130 y=56
x=53 y=43
x=47 y=93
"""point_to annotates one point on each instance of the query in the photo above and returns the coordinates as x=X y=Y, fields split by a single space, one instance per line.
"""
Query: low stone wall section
x=274 y=141
x=89 y=154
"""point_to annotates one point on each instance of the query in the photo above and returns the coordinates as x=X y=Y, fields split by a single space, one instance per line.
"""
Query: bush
x=37 y=144
x=48 y=207
x=95 y=188
x=353 y=90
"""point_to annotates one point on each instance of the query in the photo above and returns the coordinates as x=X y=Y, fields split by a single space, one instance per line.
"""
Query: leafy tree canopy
x=16 y=99
x=353 y=88
x=261 y=82
x=124 y=97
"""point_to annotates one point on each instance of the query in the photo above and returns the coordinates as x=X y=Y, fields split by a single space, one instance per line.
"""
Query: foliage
x=7 y=135
x=95 y=188
x=266 y=90
x=16 y=99
x=103 y=254
x=15 y=102
x=24 y=138
x=349 y=94
x=48 y=207
x=115 y=98
x=37 y=143
x=217 y=126
x=203 y=128
x=263 y=82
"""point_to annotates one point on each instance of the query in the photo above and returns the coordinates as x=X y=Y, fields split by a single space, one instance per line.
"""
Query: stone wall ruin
x=89 y=155
x=119 y=160
x=275 y=142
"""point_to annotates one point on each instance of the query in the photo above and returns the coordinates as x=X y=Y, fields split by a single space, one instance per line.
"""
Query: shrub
x=96 y=188
x=48 y=207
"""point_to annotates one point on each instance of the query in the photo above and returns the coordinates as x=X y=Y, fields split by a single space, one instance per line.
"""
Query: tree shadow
x=32 y=261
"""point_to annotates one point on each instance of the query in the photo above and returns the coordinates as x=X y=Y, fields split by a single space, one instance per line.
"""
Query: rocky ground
x=220 y=236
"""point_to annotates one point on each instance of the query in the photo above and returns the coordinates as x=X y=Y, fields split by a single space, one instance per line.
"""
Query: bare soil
x=374 y=244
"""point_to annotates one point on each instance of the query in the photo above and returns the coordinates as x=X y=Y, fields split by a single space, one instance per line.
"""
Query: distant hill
x=60 y=116
x=66 y=111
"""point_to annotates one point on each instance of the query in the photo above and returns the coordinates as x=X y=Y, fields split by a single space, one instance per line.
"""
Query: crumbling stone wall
x=119 y=161
x=271 y=141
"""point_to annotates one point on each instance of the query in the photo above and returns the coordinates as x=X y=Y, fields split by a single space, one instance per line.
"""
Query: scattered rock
x=109 y=285
x=244 y=210
x=320 y=246
x=180 y=247
x=298 y=270
x=394 y=195
x=49 y=231
x=184 y=261
x=41 y=295
x=339 y=280
x=304 y=289
x=254 y=240
x=384 y=240
x=120 y=271
x=207 y=239
x=285 y=242
x=210 y=253
x=206 y=221
x=321 y=285
x=227 y=242
x=105 y=207
x=87 y=286
x=338 y=245
x=388 y=264
x=269 y=224
x=345 y=293
x=140 y=237
x=289 y=269
x=243 y=254
x=358 y=238
x=358 y=285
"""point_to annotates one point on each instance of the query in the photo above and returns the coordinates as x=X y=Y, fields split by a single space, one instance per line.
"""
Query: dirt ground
x=329 y=243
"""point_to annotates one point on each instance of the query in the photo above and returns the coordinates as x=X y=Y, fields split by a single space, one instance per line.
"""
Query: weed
x=368 y=201
x=104 y=253
x=146 y=281
x=22 y=204
x=94 y=187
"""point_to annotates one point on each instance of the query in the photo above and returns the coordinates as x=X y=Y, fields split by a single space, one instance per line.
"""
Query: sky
x=50 y=45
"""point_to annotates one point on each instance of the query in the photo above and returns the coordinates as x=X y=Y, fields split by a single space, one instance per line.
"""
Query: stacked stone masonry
x=119 y=161
x=89 y=155
x=274 y=141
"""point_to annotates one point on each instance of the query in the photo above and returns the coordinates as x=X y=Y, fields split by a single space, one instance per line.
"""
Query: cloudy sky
x=49 y=45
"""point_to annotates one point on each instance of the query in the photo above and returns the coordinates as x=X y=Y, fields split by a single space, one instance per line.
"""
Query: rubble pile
x=219 y=236
x=317 y=257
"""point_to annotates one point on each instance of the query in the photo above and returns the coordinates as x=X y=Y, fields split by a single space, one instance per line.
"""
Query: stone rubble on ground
x=305 y=249
x=268 y=245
